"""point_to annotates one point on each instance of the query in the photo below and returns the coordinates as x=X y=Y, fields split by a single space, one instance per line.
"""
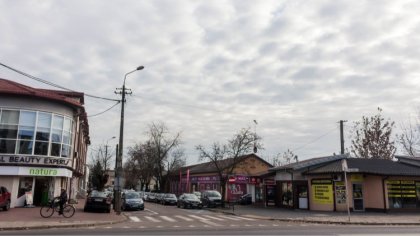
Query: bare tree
x=226 y=157
x=175 y=162
x=100 y=164
x=142 y=163
x=410 y=138
x=373 y=138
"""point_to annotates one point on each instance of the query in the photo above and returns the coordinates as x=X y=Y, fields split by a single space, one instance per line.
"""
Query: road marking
x=208 y=222
x=229 y=218
x=198 y=218
x=176 y=226
x=152 y=219
x=184 y=218
x=192 y=226
x=214 y=218
x=153 y=212
x=134 y=219
x=126 y=227
x=243 y=218
x=167 y=218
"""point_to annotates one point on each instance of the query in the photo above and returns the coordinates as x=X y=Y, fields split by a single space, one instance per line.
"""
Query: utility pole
x=118 y=171
x=342 y=135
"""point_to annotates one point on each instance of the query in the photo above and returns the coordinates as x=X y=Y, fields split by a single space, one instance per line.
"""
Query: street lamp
x=118 y=171
x=106 y=147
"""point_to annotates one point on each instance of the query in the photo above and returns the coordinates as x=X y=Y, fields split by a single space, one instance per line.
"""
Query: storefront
x=44 y=136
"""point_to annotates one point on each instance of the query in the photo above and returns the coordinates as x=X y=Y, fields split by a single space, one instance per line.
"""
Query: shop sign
x=35 y=160
x=232 y=179
x=322 y=191
x=356 y=178
x=204 y=179
x=269 y=182
x=340 y=192
x=42 y=172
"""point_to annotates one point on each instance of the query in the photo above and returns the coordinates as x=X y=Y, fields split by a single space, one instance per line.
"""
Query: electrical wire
x=316 y=139
x=100 y=113
x=52 y=84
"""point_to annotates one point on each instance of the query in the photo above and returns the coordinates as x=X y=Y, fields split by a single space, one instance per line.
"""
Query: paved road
x=170 y=220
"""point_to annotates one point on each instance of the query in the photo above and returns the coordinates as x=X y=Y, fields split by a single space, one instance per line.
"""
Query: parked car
x=245 y=199
x=169 y=199
x=151 y=197
x=211 y=198
x=198 y=194
x=4 y=198
x=159 y=197
x=189 y=200
x=97 y=200
x=132 y=201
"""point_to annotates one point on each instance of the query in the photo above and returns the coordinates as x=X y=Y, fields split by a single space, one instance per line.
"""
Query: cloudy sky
x=212 y=67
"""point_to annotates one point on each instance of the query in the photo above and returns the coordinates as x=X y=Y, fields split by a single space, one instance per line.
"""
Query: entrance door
x=358 y=197
x=40 y=196
x=302 y=192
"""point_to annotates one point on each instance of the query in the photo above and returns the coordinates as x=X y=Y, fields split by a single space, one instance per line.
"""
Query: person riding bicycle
x=63 y=200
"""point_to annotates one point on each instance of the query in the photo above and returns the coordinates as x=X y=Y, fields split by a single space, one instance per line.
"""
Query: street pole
x=118 y=171
x=342 y=135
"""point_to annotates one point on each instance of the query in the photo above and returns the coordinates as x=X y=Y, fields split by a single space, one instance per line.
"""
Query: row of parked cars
x=132 y=200
x=103 y=200
x=208 y=198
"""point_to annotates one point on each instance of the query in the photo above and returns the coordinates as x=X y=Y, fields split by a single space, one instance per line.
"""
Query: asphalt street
x=169 y=220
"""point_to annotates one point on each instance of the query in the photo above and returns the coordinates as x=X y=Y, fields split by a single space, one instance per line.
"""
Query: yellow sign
x=356 y=178
x=322 y=193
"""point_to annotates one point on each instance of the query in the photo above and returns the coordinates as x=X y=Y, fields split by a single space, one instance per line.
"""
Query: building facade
x=44 y=135
x=338 y=183
x=243 y=179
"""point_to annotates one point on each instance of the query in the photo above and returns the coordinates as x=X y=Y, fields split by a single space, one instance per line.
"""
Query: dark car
x=97 y=200
x=211 y=198
x=189 y=200
x=169 y=199
x=245 y=199
x=4 y=198
x=132 y=201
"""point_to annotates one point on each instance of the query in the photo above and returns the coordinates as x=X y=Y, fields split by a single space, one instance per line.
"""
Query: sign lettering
x=35 y=160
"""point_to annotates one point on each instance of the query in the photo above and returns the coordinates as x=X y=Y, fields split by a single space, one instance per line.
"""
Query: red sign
x=232 y=179
x=269 y=182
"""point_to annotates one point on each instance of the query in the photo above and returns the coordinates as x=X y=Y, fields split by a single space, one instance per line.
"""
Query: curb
x=70 y=225
x=315 y=221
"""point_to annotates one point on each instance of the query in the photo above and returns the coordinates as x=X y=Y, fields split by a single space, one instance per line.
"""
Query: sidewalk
x=321 y=217
x=29 y=218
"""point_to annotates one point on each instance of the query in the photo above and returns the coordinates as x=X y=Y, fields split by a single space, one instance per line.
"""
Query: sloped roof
x=368 y=166
x=309 y=163
x=415 y=161
x=210 y=167
x=74 y=99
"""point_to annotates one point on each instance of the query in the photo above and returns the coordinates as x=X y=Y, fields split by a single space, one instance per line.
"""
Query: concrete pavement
x=30 y=218
x=321 y=217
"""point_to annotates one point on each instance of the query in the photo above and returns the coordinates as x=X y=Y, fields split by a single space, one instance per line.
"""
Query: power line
x=316 y=139
x=100 y=113
x=52 y=84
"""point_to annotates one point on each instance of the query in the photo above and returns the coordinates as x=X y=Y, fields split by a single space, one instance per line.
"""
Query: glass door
x=358 y=197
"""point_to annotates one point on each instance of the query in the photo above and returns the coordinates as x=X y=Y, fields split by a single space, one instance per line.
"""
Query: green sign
x=42 y=172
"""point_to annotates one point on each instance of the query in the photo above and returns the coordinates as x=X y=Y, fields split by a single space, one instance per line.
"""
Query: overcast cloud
x=212 y=67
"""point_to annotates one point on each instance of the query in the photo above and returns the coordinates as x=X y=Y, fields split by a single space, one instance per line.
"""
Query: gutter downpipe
x=383 y=189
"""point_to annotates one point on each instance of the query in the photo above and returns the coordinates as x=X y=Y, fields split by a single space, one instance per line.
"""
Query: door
x=302 y=192
x=358 y=197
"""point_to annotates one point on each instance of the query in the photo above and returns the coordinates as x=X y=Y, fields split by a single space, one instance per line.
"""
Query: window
x=35 y=133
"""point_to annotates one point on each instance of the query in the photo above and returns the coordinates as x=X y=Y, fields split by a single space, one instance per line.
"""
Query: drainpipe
x=383 y=189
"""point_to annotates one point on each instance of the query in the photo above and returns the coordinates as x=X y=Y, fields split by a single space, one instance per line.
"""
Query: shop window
x=55 y=149
x=7 y=146
x=56 y=136
x=27 y=118
x=287 y=196
x=9 y=117
x=24 y=147
x=26 y=132
x=44 y=120
x=41 y=148
x=402 y=194
x=66 y=137
x=43 y=134
x=8 y=131
x=25 y=185
x=65 y=151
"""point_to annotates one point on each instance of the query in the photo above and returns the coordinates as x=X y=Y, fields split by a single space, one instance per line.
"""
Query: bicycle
x=53 y=206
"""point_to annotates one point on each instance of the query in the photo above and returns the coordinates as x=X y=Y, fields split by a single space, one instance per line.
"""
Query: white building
x=44 y=136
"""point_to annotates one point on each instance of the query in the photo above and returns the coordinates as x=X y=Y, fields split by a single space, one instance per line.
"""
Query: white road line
x=153 y=212
x=152 y=219
x=184 y=218
x=214 y=218
x=197 y=217
x=208 y=222
x=229 y=218
x=243 y=218
x=167 y=218
x=134 y=219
